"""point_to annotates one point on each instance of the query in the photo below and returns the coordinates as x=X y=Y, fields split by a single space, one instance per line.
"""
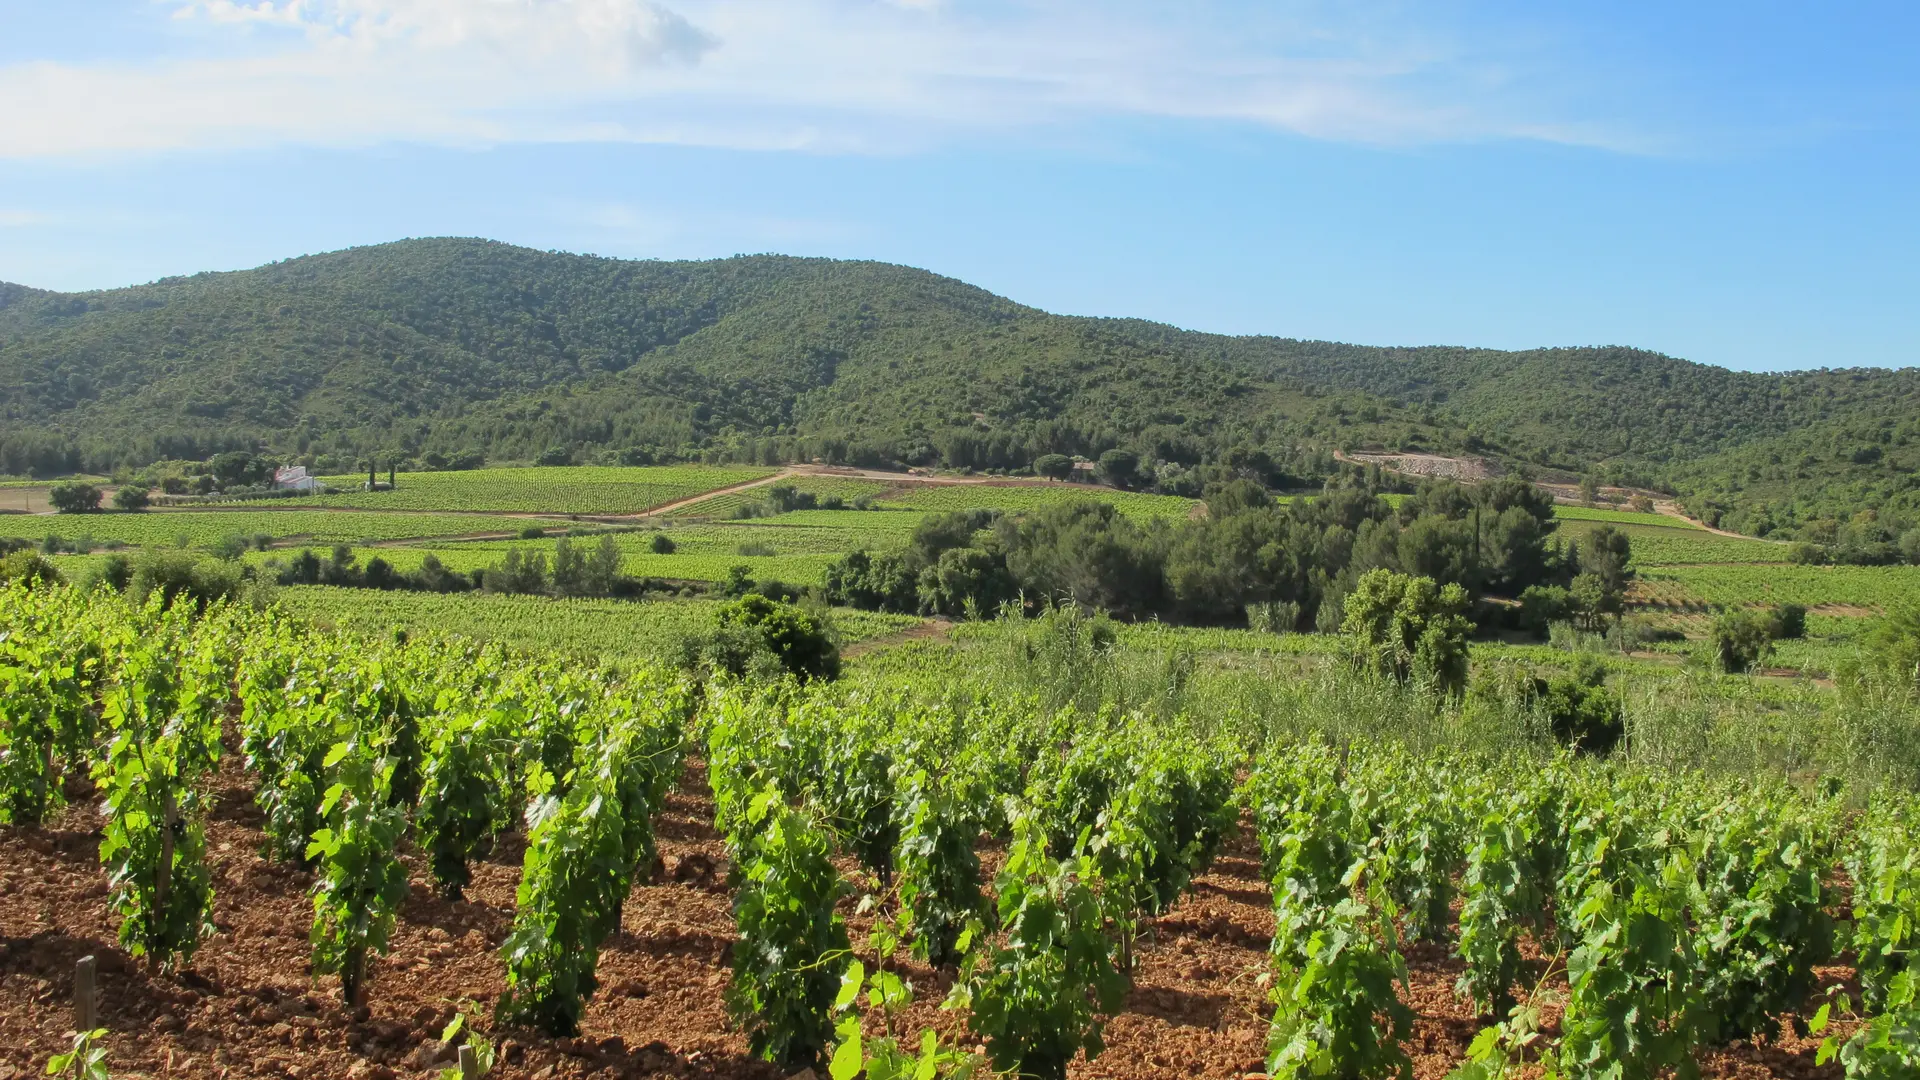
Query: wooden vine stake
x=86 y=1001
x=469 y=1066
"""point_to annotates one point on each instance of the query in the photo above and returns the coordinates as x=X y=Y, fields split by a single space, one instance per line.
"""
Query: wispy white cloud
x=20 y=219
x=830 y=75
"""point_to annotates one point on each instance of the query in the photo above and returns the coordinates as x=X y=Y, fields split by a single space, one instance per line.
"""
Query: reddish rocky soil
x=247 y=1007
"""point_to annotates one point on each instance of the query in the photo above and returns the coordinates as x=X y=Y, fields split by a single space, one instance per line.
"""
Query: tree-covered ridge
x=453 y=344
x=452 y=349
x=345 y=349
x=1576 y=407
x=1851 y=483
x=11 y=294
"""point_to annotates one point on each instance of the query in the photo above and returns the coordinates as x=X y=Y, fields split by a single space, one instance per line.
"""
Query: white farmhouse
x=295 y=478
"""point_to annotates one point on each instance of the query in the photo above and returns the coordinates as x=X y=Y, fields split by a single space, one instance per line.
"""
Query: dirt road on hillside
x=668 y=508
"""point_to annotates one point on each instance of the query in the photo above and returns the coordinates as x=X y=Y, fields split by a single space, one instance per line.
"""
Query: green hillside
x=431 y=350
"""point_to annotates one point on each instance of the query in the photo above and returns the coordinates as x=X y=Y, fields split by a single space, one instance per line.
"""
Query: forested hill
x=11 y=294
x=443 y=348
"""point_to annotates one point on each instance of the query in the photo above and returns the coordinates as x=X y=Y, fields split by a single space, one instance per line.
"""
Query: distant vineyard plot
x=551 y=490
x=611 y=629
x=203 y=528
x=703 y=551
x=693 y=563
x=1622 y=517
x=1026 y=497
x=1862 y=590
x=1658 y=545
x=822 y=488
x=794 y=538
x=876 y=522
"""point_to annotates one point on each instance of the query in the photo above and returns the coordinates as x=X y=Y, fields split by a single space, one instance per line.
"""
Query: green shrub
x=1893 y=649
x=966 y=580
x=757 y=626
x=739 y=582
x=871 y=582
x=181 y=574
x=784 y=498
x=1274 y=617
x=1789 y=622
x=1543 y=605
x=1581 y=712
x=28 y=569
x=74 y=497
x=1408 y=628
x=1742 y=640
x=1805 y=554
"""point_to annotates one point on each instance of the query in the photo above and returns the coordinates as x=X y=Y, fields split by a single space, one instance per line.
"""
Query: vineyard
x=710 y=562
x=207 y=528
x=822 y=488
x=845 y=531
x=299 y=853
x=768 y=547
x=548 y=490
x=1566 y=512
x=1863 y=589
x=614 y=629
x=1655 y=545
x=1014 y=498
x=860 y=526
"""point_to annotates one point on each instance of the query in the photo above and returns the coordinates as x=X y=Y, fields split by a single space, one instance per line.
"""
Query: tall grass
x=1687 y=720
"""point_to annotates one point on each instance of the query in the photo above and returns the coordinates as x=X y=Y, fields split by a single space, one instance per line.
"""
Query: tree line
x=1247 y=557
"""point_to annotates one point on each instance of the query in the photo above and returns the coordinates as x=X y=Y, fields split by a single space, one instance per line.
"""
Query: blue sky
x=1732 y=183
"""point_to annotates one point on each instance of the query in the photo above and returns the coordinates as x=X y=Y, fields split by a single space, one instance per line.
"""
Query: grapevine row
x=1679 y=910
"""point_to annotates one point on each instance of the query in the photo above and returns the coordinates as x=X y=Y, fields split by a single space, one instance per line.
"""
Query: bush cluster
x=1248 y=553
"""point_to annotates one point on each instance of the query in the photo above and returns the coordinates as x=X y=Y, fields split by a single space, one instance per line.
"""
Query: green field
x=789 y=539
x=550 y=490
x=1658 y=545
x=877 y=522
x=1621 y=517
x=684 y=565
x=1875 y=588
x=726 y=506
x=204 y=528
x=714 y=538
x=889 y=533
x=797 y=554
x=1026 y=497
x=24 y=482
x=620 y=629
